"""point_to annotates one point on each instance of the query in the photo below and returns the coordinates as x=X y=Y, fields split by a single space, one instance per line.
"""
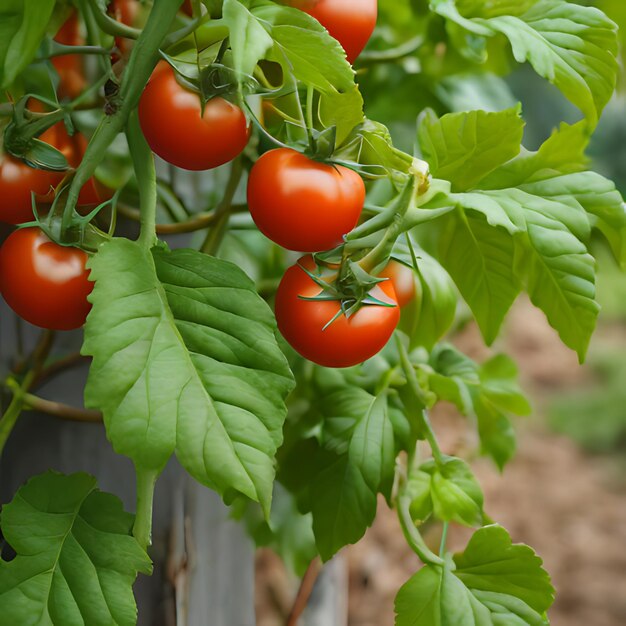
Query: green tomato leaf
x=497 y=436
x=419 y=490
x=464 y=147
x=487 y=393
x=455 y=493
x=342 y=110
x=186 y=360
x=478 y=8
x=559 y=272
x=494 y=582
x=563 y=152
x=492 y=563
x=572 y=46
x=549 y=256
x=305 y=49
x=76 y=558
x=344 y=491
x=543 y=206
x=249 y=40
x=23 y=25
x=498 y=378
x=370 y=144
x=557 y=172
x=480 y=259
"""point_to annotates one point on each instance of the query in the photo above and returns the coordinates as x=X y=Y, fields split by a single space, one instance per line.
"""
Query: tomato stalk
x=60 y=49
x=14 y=410
x=60 y=409
x=412 y=535
x=368 y=59
x=304 y=592
x=145 y=172
x=11 y=415
x=418 y=393
x=444 y=539
x=375 y=260
x=142 y=62
x=222 y=213
x=142 y=528
x=94 y=33
x=111 y=26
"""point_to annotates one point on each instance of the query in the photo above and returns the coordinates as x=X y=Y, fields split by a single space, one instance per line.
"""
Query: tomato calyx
x=81 y=232
x=21 y=142
x=350 y=285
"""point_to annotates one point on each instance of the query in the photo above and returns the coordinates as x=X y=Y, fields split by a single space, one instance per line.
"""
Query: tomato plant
x=309 y=327
x=183 y=335
x=44 y=283
x=181 y=133
x=302 y=204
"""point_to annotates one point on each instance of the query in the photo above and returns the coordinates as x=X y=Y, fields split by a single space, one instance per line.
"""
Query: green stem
x=222 y=213
x=444 y=539
x=391 y=56
x=412 y=535
x=375 y=260
x=94 y=34
x=143 y=59
x=59 y=50
x=310 y=93
x=142 y=528
x=110 y=26
x=9 y=419
x=14 y=410
x=60 y=409
x=418 y=393
x=145 y=172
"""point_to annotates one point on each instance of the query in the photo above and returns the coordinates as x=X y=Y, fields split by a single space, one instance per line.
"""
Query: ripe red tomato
x=302 y=204
x=403 y=279
x=18 y=180
x=171 y=120
x=350 y=22
x=44 y=283
x=69 y=66
x=346 y=342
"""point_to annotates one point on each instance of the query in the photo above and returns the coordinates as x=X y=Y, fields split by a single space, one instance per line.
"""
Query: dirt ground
x=571 y=507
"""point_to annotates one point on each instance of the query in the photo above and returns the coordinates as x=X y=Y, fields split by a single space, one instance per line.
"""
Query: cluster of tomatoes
x=299 y=203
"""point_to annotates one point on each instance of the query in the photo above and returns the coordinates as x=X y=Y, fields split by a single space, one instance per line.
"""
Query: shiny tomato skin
x=172 y=123
x=44 y=283
x=350 y=22
x=302 y=204
x=403 y=279
x=345 y=342
x=18 y=180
